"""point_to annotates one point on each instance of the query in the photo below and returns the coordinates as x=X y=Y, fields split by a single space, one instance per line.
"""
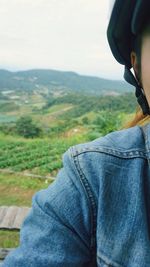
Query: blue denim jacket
x=96 y=212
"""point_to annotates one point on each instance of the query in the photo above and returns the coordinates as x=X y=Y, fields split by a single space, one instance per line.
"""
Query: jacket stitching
x=145 y=134
x=92 y=202
x=120 y=154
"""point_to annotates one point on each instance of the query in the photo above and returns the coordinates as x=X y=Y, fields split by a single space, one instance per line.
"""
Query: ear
x=134 y=64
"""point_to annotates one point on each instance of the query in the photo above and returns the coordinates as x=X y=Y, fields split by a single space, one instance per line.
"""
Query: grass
x=58 y=107
x=18 y=190
x=9 y=239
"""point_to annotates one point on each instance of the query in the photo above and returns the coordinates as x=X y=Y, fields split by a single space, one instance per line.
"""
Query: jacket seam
x=92 y=201
x=145 y=135
x=120 y=154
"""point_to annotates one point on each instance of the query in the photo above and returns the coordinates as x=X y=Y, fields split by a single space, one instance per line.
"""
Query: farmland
x=30 y=163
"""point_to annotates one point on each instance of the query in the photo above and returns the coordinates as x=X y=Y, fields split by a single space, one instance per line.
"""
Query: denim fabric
x=96 y=212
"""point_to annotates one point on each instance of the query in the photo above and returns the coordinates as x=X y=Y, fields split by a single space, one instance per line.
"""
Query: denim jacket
x=96 y=212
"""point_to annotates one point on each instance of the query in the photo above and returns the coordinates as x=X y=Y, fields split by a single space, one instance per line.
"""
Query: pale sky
x=65 y=35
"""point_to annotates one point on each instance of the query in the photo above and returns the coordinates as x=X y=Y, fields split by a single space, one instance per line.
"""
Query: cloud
x=66 y=35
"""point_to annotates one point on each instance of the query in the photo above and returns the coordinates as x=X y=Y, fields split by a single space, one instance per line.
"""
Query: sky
x=68 y=35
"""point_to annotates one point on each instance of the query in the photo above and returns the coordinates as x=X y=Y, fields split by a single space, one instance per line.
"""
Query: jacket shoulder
x=125 y=140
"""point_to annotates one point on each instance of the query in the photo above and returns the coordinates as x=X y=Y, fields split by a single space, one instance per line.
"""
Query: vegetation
x=34 y=135
x=26 y=128
x=28 y=81
x=9 y=239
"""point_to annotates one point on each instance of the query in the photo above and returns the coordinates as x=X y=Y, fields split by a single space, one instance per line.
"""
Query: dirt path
x=27 y=174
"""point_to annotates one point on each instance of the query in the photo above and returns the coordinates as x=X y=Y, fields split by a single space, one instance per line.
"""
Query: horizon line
x=49 y=69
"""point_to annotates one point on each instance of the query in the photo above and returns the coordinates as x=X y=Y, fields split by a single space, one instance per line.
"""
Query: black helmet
x=125 y=23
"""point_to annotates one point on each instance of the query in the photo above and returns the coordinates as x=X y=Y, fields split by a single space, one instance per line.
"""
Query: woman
x=96 y=212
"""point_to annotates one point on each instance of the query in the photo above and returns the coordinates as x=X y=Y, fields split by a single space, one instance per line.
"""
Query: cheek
x=145 y=71
x=145 y=76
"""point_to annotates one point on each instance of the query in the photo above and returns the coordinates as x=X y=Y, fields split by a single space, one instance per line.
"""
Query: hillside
x=58 y=109
x=42 y=114
x=53 y=82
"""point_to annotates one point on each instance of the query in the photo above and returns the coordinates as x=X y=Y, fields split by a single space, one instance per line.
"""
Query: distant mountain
x=59 y=81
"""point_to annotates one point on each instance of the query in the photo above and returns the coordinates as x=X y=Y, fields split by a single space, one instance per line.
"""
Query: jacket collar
x=146 y=133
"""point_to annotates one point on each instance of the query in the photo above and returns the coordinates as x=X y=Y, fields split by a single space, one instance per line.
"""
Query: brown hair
x=138 y=119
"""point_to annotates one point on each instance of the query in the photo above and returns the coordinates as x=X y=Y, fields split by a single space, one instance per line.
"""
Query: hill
x=53 y=82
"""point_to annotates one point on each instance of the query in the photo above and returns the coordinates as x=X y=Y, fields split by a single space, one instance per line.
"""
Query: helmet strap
x=141 y=98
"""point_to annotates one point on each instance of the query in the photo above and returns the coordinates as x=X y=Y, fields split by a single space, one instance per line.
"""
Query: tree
x=26 y=127
x=85 y=120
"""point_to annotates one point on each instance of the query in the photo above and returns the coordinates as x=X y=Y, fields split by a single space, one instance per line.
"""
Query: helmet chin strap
x=141 y=99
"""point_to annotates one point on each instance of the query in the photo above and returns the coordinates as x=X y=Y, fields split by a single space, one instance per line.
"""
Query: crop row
x=26 y=155
x=51 y=165
x=28 y=149
x=16 y=161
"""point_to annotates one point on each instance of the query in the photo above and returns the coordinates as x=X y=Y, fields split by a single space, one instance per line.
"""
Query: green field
x=9 y=239
x=69 y=121
x=39 y=156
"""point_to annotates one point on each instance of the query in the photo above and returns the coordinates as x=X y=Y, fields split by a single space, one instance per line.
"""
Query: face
x=145 y=66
